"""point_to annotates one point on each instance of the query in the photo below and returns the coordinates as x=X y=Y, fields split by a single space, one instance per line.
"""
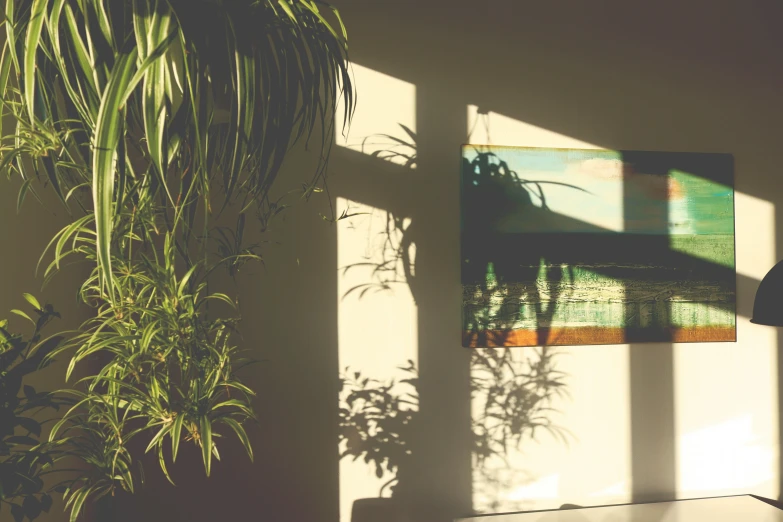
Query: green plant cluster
x=154 y=122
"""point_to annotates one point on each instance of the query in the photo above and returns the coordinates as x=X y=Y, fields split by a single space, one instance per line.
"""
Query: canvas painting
x=574 y=247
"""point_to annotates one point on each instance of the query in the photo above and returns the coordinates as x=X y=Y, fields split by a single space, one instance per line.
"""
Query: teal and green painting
x=568 y=247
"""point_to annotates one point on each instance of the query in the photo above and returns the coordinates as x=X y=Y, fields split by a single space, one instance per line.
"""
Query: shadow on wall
x=378 y=421
x=504 y=276
x=512 y=390
x=603 y=75
x=499 y=275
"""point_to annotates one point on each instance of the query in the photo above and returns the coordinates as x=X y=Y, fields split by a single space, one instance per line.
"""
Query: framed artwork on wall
x=582 y=246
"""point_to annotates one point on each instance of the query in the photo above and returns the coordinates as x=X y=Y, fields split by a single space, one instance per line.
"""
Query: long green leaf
x=10 y=24
x=53 y=26
x=205 y=428
x=240 y=431
x=141 y=18
x=5 y=72
x=32 y=41
x=154 y=99
x=162 y=462
x=158 y=436
x=33 y=301
x=80 y=496
x=22 y=193
x=150 y=60
x=104 y=23
x=107 y=136
x=176 y=432
x=88 y=69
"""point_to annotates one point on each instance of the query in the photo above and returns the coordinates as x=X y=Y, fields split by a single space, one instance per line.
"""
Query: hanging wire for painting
x=482 y=115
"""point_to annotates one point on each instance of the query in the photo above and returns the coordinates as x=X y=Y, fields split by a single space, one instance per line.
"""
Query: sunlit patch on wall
x=586 y=461
x=544 y=488
x=491 y=128
x=513 y=395
x=550 y=448
x=384 y=124
x=726 y=457
x=727 y=415
x=378 y=347
x=566 y=189
x=755 y=223
x=618 y=489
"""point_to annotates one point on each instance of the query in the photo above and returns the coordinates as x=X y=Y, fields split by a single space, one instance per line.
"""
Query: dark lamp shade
x=768 y=307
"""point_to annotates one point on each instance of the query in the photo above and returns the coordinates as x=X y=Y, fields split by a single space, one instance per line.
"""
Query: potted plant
x=161 y=125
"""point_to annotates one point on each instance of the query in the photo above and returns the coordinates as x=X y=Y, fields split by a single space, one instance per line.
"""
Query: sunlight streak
x=545 y=487
x=726 y=458
x=755 y=237
x=377 y=323
x=384 y=124
x=491 y=128
x=599 y=200
x=727 y=415
x=591 y=464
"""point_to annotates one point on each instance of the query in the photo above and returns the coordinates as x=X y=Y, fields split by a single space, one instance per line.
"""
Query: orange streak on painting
x=596 y=335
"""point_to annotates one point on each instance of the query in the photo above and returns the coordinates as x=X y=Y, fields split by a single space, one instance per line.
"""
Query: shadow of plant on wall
x=494 y=300
x=399 y=150
x=513 y=390
x=512 y=394
x=504 y=281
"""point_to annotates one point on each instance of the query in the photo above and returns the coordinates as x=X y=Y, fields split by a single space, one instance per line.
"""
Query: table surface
x=723 y=509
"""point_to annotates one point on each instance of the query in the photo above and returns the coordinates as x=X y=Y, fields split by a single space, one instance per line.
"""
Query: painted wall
x=643 y=422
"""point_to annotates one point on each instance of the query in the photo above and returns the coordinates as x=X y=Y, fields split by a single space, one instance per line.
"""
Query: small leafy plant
x=24 y=459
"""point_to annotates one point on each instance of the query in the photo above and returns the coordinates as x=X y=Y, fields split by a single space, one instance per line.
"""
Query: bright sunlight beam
x=726 y=395
x=755 y=235
x=600 y=201
x=726 y=415
x=377 y=324
x=384 y=123
x=592 y=464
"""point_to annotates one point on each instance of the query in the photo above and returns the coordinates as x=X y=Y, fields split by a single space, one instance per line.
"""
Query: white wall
x=647 y=421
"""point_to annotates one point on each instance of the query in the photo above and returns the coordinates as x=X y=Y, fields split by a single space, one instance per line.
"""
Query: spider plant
x=151 y=119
